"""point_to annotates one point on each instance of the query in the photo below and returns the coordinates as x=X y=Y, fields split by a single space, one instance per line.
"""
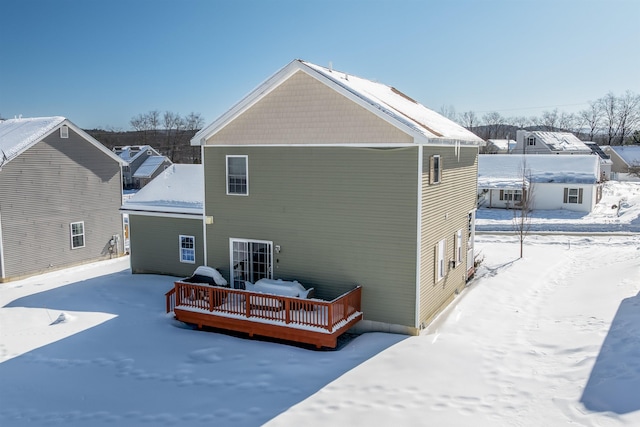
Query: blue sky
x=99 y=63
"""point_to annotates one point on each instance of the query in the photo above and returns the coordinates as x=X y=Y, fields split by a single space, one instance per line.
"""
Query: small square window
x=531 y=140
x=77 y=235
x=237 y=175
x=188 y=249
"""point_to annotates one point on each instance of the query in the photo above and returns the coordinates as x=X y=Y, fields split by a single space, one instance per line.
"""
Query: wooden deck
x=310 y=321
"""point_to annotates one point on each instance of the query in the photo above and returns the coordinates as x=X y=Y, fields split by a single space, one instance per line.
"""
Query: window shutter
x=431 y=170
x=501 y=194
x=566 y=195
x=440 y=169
x=580 y=196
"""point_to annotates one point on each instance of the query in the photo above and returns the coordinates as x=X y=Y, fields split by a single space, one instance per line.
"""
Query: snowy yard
x=550 y=339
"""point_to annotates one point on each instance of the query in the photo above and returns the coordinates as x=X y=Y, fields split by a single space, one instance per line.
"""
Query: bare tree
x=609 y=106
x=550 y=119
x=494 y=122
x=591 y=118
x=523 y=209
x=628 y=114
x=469 y=119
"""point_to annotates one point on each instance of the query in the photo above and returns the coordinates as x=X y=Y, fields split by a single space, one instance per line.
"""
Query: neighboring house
x=541 y=142
x=335 y=181
x=625 y=158
x=499 y=146
x=166 y=224
x=605 y=160
x=552 y=182
x=60 y=194
x=142 y=164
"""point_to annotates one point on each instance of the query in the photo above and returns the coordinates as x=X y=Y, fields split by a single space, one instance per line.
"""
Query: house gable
x=302 y=110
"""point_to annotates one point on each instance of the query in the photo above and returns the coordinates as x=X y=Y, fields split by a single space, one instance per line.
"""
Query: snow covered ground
x=550 y=339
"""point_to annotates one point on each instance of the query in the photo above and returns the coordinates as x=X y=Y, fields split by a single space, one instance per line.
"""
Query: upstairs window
x=237 y=175
x=531 y=140
x=64 y=132
x=77 y=235
x=435 y=169
x=188 y=249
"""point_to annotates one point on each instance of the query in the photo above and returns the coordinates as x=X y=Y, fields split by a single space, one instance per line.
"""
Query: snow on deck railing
x=293 y=311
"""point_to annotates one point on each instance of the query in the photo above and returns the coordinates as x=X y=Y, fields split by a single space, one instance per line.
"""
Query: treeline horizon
x=610 y=120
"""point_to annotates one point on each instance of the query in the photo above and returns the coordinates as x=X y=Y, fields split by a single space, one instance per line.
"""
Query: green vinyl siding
x=342 y=216
x=155 y=244
x=445 y=209
x=47 y=187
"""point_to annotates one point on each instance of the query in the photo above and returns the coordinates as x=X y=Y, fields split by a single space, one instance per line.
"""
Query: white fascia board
x=197 y=216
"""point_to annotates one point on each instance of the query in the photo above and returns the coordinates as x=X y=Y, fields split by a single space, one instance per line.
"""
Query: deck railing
x=292 y=311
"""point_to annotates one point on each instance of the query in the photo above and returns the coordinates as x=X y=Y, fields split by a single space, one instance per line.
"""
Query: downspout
x=204 y=208
x=419 y=238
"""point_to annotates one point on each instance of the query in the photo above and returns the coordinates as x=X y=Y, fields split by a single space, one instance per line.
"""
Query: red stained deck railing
x=290 y=311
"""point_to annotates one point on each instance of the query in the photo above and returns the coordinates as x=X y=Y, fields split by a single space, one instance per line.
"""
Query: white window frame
x=64 y=131
x=573 y=196
x=249 y=268
x=531 y=140
x=440 y=260
x=458 y=248
x=81 y=234
x=435 y=173
x=511 y=195
x=185 y=251
x=246 y=175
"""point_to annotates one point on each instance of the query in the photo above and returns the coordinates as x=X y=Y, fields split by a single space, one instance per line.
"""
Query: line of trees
x=169 y=133
x=610 y=120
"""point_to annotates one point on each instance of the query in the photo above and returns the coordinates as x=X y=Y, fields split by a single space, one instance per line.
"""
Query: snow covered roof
x=179 y=189
x=150 y=166
x=129 y=153
x=399 y=106
x=561 y=141
x=17 y=135
x=388 y=103
x=629 y=153
x=505 y=170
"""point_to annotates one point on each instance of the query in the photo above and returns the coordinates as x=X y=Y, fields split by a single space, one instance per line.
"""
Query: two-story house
x=60 y=194
x=334 y=180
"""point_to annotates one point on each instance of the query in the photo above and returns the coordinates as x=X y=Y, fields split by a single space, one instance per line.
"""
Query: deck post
x=210 y=299
x=247 y=302
x=287 y=307
x=330 y=317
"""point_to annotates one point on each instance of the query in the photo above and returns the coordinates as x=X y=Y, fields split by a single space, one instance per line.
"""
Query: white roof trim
x=359 y=98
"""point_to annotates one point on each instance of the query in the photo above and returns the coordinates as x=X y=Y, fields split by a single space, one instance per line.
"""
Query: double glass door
x=251 y=260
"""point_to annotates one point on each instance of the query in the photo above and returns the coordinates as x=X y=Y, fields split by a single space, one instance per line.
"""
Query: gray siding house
x=60 y=194
x=166 y=224
x=142 y=164
x=335 y=181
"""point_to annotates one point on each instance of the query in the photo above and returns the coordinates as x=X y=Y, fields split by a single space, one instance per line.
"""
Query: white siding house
x=551 y=182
